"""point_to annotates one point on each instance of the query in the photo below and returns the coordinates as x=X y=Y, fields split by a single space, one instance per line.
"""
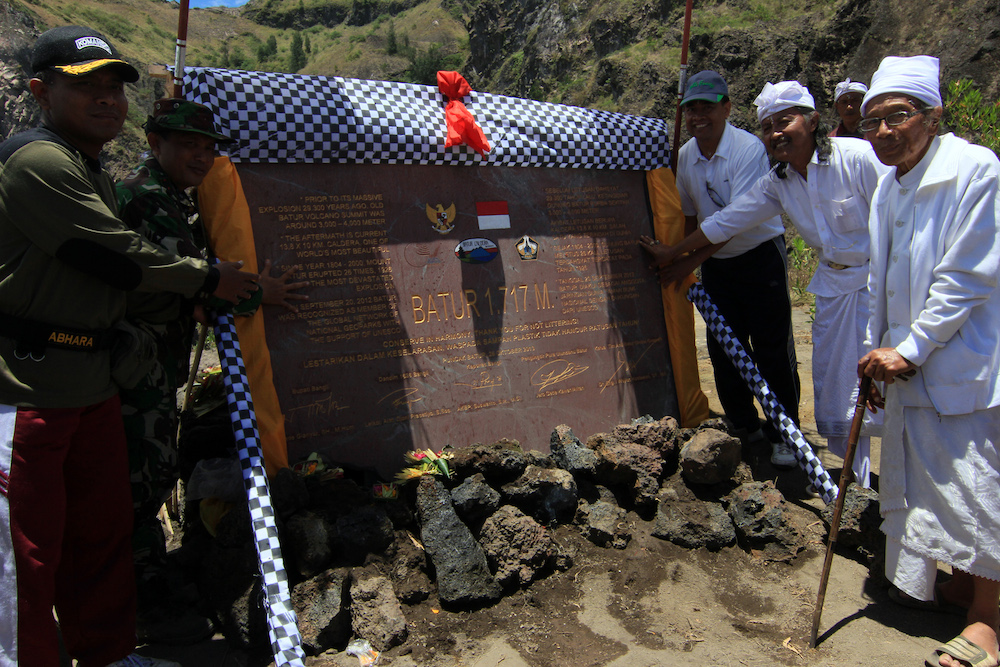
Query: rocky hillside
x=620 y=55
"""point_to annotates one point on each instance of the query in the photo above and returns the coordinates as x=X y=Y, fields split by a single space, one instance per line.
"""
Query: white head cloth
x=916 y=76
x=848 y=86
x=783 y=95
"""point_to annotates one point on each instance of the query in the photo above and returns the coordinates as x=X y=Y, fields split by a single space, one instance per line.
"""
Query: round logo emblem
x=476 y=251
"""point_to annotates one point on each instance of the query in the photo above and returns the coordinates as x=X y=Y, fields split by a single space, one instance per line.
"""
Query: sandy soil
x=654 y=603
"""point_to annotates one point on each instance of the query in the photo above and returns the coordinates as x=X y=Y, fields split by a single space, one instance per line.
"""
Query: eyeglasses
x=714 y=196
x=892 y=120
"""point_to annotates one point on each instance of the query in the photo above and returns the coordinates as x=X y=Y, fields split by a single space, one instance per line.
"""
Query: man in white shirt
x=847 y=98
x=936 y=323
x=746 y=277
x=824 y=186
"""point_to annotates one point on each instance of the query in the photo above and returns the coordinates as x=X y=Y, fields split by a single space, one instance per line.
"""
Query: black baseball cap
x=706 y=85
x=75 y=50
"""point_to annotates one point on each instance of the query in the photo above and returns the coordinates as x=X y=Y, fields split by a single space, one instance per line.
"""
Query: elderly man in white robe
x=936 y=324
x=824 y=186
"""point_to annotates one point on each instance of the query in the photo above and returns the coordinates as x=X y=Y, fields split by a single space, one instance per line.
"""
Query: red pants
x=66 y=514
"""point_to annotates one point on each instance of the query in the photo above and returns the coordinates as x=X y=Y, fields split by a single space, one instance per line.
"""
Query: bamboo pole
x=681 y=85
x=180 y=51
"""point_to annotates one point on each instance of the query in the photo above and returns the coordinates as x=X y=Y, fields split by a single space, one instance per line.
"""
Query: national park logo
x=442 y=219
x=476 y=251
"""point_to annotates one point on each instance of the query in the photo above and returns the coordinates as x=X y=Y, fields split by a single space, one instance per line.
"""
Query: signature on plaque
x=485 y=381
x=327 y=405
x=554 y=372
x=402 y=397
x=628 y=366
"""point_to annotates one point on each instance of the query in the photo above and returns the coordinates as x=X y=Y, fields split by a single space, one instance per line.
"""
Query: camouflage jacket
x=149 y=203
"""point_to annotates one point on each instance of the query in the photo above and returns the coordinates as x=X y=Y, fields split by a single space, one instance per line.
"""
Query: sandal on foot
x=902 y=599
x=964 y=651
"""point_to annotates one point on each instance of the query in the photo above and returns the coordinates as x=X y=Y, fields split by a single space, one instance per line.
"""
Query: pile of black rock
x=356 y=561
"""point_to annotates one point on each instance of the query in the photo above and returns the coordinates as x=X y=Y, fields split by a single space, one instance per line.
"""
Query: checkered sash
x=286 y=643
x=716 y=323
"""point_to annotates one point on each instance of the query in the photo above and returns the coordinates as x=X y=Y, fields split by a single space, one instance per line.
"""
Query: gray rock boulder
x=408 y=570
x=661 y=436
x=517 y=547
x=475 y=500
x=762 y=526
x=375 y=611
x=501 y=462
x=710 y=457
x=549 y=494
x=605 y=525
x=569 y=453
x=462 y=573
x=366 y=530
x=859 y=522
x=323 y=610
x=306 y=545
x=694 y=524
x=636 y=468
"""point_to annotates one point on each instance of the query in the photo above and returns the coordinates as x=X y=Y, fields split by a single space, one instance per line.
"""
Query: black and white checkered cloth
x=804 y=454
x=278 y=117
x=286 y=642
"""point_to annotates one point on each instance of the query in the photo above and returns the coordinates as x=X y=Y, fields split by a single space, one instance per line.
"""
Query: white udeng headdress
x=917 y=76
x=783 y=95
x=848 y=86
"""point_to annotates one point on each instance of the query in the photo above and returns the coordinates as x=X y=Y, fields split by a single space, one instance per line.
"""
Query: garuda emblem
x=442 y=219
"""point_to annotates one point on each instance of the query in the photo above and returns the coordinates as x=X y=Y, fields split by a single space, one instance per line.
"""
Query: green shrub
x=970 y=116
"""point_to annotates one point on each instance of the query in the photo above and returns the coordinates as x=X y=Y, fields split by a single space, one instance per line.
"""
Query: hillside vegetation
x=619 y=55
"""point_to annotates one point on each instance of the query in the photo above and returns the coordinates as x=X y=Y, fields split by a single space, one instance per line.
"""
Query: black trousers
x=751 y=292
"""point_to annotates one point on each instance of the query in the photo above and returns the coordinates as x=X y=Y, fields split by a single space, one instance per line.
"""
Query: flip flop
x=904 y=600
x=962 y=650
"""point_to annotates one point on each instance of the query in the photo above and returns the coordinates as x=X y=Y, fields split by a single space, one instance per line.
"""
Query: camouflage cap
x=75 y=50
x=179 y=115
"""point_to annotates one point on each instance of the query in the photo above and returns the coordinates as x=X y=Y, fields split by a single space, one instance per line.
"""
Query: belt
x=33 y=337
x=838 y=267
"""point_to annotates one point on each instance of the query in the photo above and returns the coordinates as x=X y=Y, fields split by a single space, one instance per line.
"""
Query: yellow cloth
x=668 y=225
x=226 y=215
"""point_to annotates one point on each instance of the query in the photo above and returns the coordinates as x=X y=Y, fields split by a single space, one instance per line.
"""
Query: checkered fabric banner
x=286 y=643
x=716 y=323
x=278 y=117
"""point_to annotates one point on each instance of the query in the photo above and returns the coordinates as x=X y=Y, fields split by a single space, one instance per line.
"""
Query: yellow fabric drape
x=668 y=226
x=226 y=215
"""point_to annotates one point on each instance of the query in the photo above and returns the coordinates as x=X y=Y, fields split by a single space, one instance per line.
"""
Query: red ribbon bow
x=462 y=127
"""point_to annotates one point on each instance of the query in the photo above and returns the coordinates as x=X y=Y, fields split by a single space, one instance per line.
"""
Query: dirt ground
x=655 y=603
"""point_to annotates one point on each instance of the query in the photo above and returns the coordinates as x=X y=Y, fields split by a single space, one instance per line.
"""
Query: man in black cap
x=66 y=263
x=157 y=200
x=747 y=278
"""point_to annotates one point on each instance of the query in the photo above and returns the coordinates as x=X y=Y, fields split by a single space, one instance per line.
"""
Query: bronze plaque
x=453 y=305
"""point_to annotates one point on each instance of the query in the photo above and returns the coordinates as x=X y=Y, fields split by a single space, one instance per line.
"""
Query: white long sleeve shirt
x=829 y=208
x=739 y=161
x=935 y=263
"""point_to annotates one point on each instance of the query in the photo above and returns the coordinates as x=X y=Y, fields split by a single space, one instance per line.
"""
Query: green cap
x=178 y=115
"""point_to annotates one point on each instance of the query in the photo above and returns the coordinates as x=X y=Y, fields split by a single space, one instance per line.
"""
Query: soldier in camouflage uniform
x=154 y=200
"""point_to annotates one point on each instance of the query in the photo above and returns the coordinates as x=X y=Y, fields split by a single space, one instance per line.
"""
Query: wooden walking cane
x=846 y=477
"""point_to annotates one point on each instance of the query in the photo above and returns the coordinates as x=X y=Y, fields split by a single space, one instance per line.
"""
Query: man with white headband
x=824 y=186
x=936 y=319
x=748 y=278
x=847 y=98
